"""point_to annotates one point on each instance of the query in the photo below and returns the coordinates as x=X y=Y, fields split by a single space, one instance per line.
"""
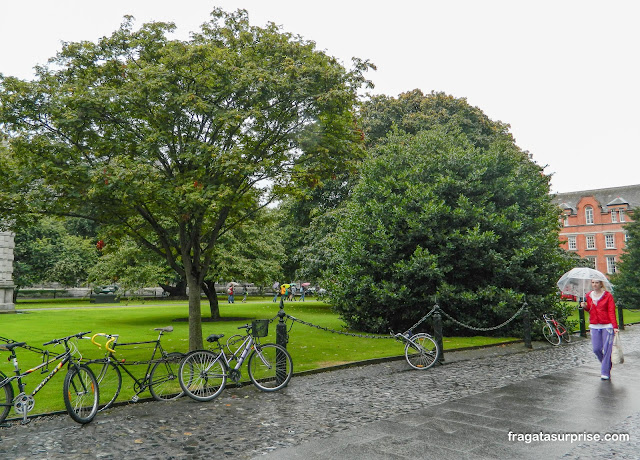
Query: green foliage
x=435 y=217
x=412 y=112
x=46 y=251
x=174 y=143
x=627 y=287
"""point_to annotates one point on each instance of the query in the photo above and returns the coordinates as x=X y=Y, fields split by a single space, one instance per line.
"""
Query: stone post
x=6 y=273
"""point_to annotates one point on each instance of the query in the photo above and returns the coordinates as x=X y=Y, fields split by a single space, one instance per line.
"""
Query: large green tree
x=435 y=217
x=54 y=250
x=177 y=142
x=413 y=111
x=627 y=288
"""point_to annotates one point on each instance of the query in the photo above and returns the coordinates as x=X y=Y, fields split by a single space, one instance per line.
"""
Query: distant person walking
x=276 y=290
x=244 y=298
x=602 y=324
x=230 y=292
x=302 y=291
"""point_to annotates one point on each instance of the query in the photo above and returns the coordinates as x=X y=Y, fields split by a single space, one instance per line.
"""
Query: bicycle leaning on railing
x=554 y=331
x=160 y=377
x=421 y=350
x=203 y=373
x=80 y=388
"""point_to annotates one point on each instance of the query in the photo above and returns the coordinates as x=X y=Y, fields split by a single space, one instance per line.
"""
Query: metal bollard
x=281 y=339
x=583 y=327
x=620 y=318
x=437 y=331
x=281 y=327
x=526 y=325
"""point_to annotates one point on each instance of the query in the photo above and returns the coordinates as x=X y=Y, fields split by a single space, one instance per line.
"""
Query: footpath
x=482 y=404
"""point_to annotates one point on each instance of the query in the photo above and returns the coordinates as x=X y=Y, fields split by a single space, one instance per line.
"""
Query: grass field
x=310 y=348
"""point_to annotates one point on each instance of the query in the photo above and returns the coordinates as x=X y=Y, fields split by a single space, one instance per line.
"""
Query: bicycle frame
x=65 y=358
x=244 y=349
x=139 y=385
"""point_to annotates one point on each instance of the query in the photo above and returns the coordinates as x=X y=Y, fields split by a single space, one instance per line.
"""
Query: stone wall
x=6 y=273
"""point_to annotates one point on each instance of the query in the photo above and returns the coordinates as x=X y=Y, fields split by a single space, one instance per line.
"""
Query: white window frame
x=621 y=212
x=592 y=262
x=588 y=215
x=609 y=241
x=611 y=264
x=572 y=241
x=614 y=217
x=592 y=239
x=565 y=220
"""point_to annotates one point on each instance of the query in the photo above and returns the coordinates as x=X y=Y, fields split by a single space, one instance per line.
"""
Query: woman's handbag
x=616 y=352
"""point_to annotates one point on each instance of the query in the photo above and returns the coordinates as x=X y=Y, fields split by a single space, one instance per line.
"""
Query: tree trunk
x=209 y=289
x=179 y=290
x=195 y=314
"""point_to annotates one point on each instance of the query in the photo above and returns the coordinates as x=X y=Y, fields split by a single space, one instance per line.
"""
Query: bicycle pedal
x=135 y=398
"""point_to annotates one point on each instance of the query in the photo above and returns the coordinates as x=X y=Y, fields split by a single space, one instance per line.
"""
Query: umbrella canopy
x=233 y=283
x=577 y=281
x=276 y=285
x=305 y=284
x=286 y=285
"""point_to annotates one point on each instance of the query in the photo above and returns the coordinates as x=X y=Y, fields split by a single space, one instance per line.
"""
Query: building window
x=614 y=216
x=565 y=220
x=621 y=212
x=611 y=264
x=573 y=244
x=591 y=241
x=588 y=215
x=591 y=262
x=609 y=241
x=626 y=237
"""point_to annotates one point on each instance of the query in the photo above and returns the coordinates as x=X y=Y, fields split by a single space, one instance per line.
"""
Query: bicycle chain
x=524 y=304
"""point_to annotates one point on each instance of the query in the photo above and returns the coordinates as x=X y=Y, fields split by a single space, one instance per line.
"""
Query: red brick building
x=593 y=223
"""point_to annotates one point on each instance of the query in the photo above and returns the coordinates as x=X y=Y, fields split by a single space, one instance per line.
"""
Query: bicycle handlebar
x=65 y=339
x=112 y=338
x=245 y=326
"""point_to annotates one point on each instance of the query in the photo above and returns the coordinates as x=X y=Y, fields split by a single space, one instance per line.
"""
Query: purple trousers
x=602 y=342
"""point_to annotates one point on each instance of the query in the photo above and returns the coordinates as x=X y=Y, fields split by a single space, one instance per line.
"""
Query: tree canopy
x=627 y=288
x=175 y=143
x=436 y=217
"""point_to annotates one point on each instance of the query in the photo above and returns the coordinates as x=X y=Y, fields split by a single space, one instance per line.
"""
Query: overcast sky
x=563 y=73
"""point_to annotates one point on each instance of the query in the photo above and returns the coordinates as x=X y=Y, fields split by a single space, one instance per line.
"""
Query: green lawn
x=310 y=348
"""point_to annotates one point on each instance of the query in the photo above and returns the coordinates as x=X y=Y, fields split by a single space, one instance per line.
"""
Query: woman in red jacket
x=602 y=324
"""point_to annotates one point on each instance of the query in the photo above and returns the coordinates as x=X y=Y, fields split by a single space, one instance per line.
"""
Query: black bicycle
x=80 y=389
x=160 y=377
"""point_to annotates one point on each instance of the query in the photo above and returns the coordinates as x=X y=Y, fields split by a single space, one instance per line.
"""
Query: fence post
x=583 y=328
x=281 y=327
x=281 y=339
x=620 y=318
x=526 y=320
x=437 y=331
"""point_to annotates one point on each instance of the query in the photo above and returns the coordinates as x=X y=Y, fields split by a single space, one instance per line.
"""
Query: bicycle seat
x=164 y=329
x=11 y=346
x=214 y=337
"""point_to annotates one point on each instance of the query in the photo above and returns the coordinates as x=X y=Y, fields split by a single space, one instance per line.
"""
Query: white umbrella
x=577 y=281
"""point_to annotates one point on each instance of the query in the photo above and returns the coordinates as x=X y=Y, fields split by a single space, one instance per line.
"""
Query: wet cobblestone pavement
x=245 y=422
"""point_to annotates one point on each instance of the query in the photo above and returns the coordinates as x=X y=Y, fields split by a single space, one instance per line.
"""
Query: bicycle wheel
x=163 y=380
x=202 y=375
x=422 y=352
x=270 y=366
x=6 y=398
x=109 y=380
x=565 y=335
x=550 y=334
x=81 y=393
